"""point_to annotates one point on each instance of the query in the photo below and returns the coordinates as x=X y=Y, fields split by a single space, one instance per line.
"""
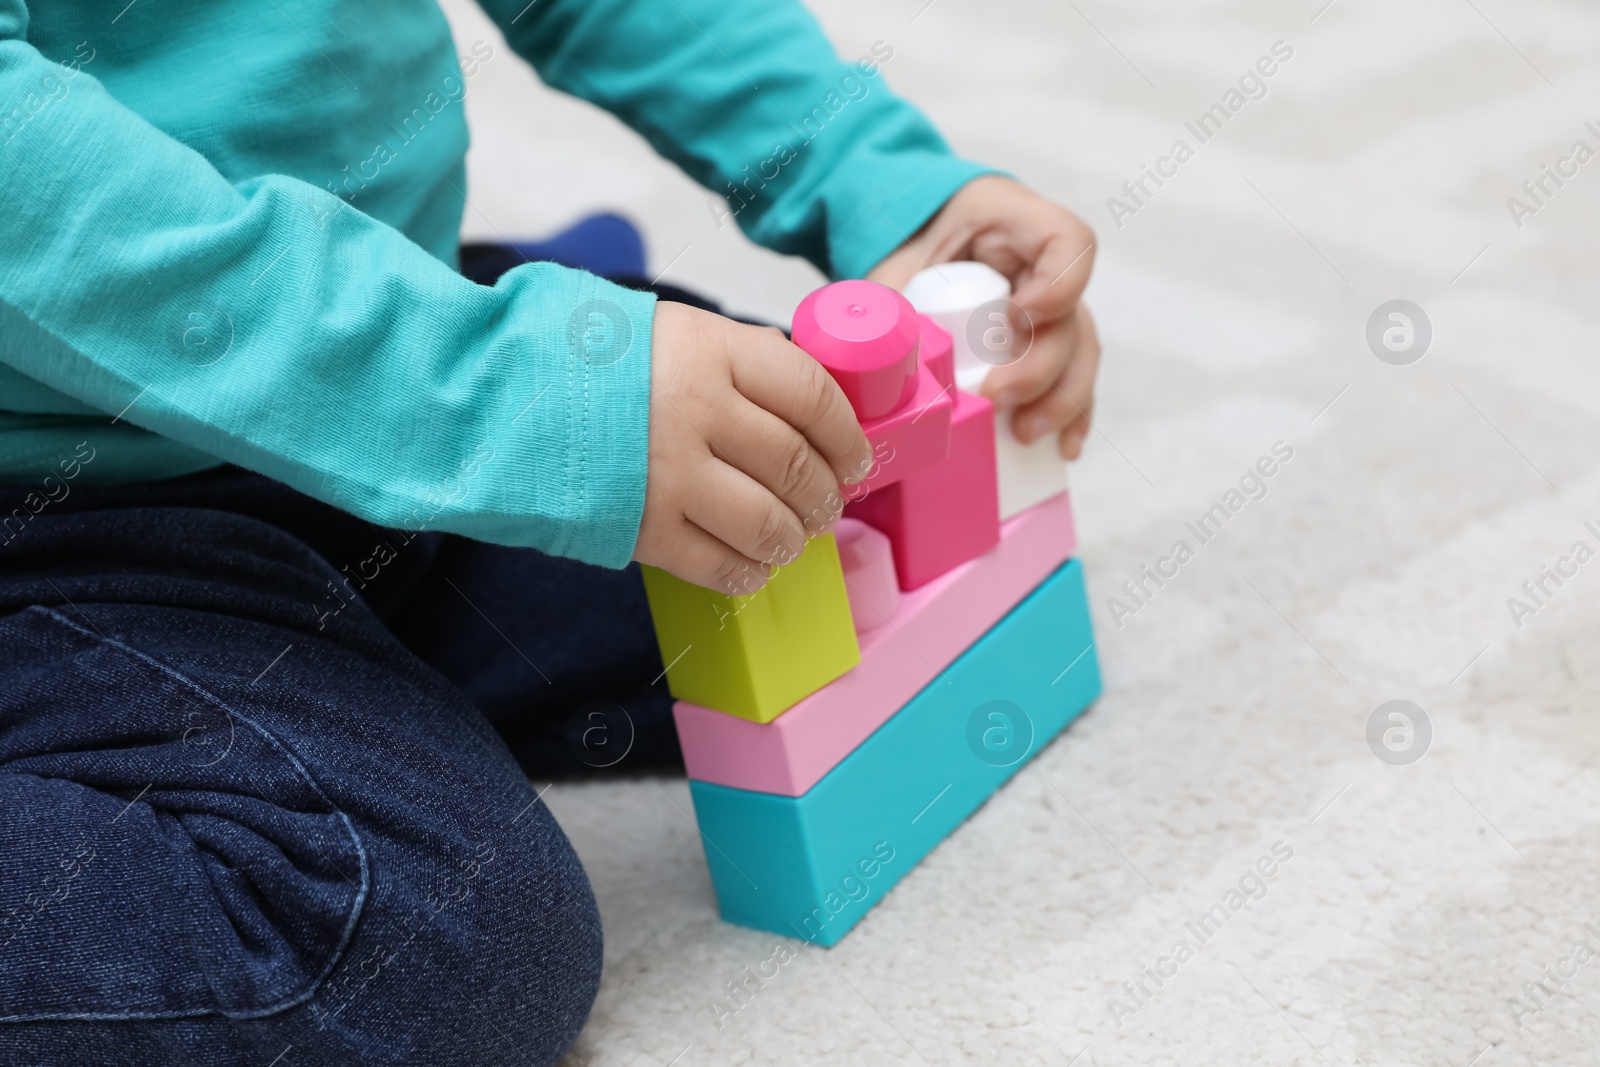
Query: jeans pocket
x=162 y=854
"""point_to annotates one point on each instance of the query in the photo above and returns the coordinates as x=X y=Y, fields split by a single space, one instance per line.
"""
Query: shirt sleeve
x=814 y=155
x=272 y=325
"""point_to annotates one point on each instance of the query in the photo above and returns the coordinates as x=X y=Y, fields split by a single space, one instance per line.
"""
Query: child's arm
x=809 y=154
x=816 y=157
x=272 y=325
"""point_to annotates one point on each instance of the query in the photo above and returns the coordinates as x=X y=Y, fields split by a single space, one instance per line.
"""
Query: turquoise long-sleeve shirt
x=228 y=234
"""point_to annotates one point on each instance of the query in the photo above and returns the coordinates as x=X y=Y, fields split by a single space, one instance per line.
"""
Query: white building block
x=954 y=295
x=951 y=294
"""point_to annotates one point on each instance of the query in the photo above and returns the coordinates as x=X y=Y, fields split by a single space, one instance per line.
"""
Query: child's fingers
x=741 y=513
x=774 y=374
x=1068 y=400
x=1049 y=414
x=775 y=454
x=1049 y=350
x=1081 y=374
x=705 y=561
x=1071 y=438
x=1060 y=270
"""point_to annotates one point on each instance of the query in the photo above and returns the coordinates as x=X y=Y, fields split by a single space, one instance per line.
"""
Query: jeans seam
x=284 y=1003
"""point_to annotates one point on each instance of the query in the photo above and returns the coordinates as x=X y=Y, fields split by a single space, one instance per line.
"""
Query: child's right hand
x=749 y=438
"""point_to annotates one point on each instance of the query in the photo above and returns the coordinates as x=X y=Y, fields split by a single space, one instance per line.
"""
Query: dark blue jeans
x=259 y=807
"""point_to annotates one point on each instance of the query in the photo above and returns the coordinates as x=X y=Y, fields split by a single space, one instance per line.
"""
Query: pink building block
x=912 y=439
x=868 y=338
x=933 y=626
x=943 y=515
x=865 y=334
x=963 y=298
x=937 y=352
x=869 y=578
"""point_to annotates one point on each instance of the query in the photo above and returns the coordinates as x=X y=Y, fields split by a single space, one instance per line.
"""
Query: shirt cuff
x=563 y=450
x=879 y=202
x=608 y=338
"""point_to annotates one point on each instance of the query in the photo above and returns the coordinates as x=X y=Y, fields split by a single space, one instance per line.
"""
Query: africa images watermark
x=52 y=89
x=1552 y=982
x=1198 y=932
x=851 y=87
x=1537 y=591
x=54 y=488
x=1252 y=487
x=1251 y=86
x=354 y=178
x=1538 y=190
x=1399 y=732
x=384 y=552
x=852 y=887
x=741 y=991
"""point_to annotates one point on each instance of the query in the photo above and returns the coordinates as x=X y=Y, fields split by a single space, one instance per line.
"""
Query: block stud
x=865 y=335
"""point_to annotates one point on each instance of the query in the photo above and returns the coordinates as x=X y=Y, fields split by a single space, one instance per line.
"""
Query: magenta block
x=868 y=338
x=869 y=578
x=911 y=439
x=866 y=335
x=943 y=515
x=933 y=626
x=937 y=352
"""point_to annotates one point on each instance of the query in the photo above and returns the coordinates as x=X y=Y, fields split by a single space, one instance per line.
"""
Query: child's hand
x=1047 y=252
x=749 y=438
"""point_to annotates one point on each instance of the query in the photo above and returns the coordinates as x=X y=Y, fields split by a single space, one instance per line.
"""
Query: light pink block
x=933 y=626
x=867 y=557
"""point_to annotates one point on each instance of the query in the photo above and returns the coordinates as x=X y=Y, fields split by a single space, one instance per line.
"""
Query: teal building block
x=811 y=866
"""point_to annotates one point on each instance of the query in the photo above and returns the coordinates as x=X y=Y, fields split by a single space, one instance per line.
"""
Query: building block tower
x=841 y=721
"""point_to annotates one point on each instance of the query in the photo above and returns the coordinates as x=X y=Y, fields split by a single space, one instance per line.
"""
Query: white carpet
x=1233 y=305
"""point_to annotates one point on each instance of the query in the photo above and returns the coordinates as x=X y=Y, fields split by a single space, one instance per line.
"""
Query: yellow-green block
x=756 y=656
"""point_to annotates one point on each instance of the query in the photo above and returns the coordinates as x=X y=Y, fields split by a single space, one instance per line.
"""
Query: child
x=272 y=471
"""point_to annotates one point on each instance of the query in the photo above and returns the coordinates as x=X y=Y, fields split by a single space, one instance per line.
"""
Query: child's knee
x=491 y=944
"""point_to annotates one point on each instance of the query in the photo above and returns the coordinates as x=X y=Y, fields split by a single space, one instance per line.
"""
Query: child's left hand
x=1047 y=252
